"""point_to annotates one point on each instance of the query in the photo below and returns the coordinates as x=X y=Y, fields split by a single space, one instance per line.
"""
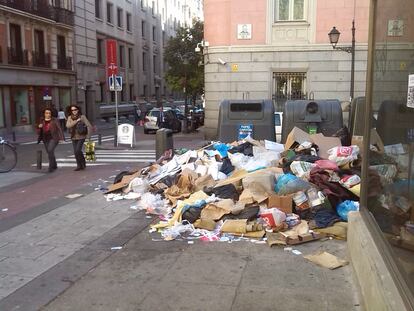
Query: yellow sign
x=234 y=67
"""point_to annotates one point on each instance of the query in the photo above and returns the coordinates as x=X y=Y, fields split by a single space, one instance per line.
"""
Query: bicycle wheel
x=8 y=158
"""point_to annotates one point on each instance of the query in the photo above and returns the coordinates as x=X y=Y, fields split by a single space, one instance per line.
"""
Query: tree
x=185 y=66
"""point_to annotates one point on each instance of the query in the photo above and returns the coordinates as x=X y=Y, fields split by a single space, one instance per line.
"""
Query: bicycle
x=8 y=156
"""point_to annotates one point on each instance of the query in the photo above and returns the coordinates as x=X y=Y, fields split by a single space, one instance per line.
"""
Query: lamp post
x=334 y=38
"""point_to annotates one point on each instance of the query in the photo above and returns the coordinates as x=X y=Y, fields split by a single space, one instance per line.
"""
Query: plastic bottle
x=314 y=198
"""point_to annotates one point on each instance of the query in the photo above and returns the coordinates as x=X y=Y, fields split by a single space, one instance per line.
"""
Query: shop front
x=388 y=201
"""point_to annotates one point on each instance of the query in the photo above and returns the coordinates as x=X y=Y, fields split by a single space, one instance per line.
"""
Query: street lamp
x=334 y=38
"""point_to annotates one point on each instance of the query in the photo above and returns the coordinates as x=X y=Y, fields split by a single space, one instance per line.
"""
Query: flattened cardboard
x=375 y=140
x=282 y=202
x=326 y=260
x=123 y=183
x=324 y=143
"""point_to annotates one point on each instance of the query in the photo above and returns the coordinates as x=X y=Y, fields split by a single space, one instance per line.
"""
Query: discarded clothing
x=245 y=148
x=224 y=192
x=226 y=167
x=325 y=217
x=249 y=213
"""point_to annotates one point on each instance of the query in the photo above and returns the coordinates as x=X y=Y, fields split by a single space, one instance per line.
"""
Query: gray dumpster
x=312 y=116
x=395 y=122
x=163 y=141
x=239 y=118
x=356 y=117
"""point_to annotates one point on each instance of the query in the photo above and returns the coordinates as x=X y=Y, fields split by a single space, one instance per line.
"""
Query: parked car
x=172 y=120
x=278 y=125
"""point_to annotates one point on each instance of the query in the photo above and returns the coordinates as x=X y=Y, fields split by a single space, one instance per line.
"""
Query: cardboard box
x=123 y=183
x=375 y=140
x=324 y=143
x=282 y=202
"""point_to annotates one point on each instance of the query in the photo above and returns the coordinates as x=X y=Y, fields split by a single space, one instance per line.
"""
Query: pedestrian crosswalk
x=94 y=138
x=108 y=157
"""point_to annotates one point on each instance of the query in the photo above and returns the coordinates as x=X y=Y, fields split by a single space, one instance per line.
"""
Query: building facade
x=36 y=60
x=280 y=50
x=141 y=29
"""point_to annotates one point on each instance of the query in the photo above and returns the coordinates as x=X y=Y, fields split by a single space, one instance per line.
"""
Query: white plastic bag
x=343 y=155
x=154 y=204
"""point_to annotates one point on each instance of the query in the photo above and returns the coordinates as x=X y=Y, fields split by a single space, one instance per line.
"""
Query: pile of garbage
x=255 y=190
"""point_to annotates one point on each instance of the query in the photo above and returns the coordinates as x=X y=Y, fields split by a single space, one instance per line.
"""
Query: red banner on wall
x=111 y=63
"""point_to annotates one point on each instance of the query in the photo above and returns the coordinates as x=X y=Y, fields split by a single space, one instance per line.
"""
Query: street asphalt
x=84 y=253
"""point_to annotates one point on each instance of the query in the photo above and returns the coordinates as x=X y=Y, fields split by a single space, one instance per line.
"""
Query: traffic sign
x=111 y=61
x=115 y=84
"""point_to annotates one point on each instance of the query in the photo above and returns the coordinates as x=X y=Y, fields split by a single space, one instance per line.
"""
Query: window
x=98 y=8
x=131 y=92
x=154 y=62
x=145 y=91
x=287 y=86
x=123 y=92
x=20 y=110
x=163 y=38
x=154 y=33
x=143 y=29
x=290 y=10
x=128 y=21
x=109 y=12
x=101 y=91
x=130 y=58
x=121 y=55
x=142 y=4
x=144 y=61
x=153 y=8
x=119 y=17
x=99 y=49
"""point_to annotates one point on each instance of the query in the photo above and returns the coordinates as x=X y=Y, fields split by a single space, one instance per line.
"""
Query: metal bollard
x=14 y=136
x=39 y=159
x=99 y=139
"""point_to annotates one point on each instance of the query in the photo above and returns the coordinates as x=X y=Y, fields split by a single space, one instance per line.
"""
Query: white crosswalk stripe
x=107 y=157
x=68 y=141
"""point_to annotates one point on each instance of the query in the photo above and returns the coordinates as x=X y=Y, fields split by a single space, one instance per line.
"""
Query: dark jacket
x=55 y=130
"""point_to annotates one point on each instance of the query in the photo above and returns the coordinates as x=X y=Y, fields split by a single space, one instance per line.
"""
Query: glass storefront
x=388 y=191
x=19 y=98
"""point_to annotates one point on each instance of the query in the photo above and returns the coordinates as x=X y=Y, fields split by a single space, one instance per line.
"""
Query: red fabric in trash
x=332 y=190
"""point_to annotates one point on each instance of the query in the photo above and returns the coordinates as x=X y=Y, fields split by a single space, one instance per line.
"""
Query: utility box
x=395 y=122
x=163 y=141
x=240 y=118
x=312 y=116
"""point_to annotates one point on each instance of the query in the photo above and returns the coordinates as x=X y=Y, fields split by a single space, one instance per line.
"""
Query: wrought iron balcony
x=64 y=62
x=42 y=8
x=41 y=59
x=17 y=56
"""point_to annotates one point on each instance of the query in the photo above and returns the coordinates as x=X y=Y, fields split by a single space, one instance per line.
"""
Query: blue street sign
x=115 y=84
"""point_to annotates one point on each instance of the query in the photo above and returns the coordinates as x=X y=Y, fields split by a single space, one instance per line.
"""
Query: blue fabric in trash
x=222 y=149
x=345 y=207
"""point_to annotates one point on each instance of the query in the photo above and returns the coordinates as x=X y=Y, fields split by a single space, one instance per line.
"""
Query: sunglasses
x=74 y=110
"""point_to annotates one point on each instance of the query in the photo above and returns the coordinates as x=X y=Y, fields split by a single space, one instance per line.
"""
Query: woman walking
x=51 y=133
x=80 y=129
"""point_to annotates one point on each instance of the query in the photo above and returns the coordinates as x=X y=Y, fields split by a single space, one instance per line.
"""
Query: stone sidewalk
x=32 y=248
x=63 y=260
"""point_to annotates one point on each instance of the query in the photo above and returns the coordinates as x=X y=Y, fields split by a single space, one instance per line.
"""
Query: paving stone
x=24 y=250
x=220 y=269
x=189 y=296
x=9 y=283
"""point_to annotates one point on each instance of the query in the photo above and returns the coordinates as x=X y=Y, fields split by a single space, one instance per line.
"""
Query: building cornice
x=37 y=69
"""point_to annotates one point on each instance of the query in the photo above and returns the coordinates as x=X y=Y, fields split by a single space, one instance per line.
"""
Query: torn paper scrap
x=326 y=260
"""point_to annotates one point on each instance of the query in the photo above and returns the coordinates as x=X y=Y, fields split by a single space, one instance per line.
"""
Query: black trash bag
x=192 y=214
x=250 y=213
x=226 y=167
x=301 y=157
x=119 y=177
x=245 y=148
x=224 y=192
x=344 y=135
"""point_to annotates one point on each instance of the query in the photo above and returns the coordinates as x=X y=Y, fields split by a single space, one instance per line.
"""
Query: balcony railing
x=17 y=56
x=64 y=62
x=41 y=59
x=42 y=8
